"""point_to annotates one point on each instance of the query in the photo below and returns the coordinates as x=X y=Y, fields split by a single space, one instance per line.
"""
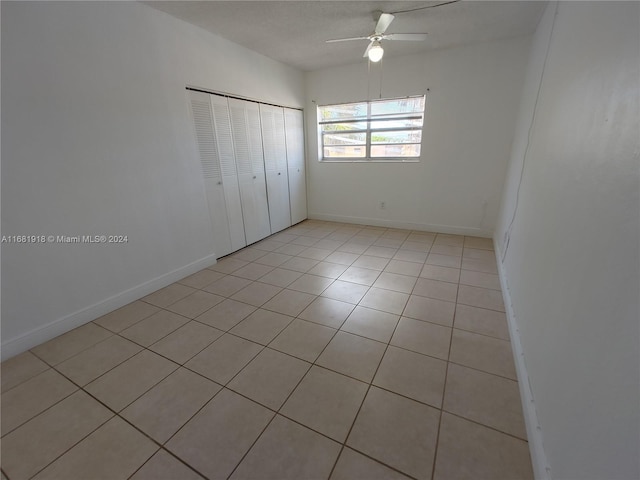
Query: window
x=382 y=130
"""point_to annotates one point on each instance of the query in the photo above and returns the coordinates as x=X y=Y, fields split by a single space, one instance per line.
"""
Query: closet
x=252 y=157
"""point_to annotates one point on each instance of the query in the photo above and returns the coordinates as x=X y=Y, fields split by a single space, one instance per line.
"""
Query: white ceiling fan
x=375 y=51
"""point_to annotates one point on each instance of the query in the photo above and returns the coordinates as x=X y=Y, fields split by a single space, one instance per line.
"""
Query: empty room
x=313 y=240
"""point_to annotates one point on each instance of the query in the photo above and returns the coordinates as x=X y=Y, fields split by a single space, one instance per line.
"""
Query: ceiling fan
x=375 y=51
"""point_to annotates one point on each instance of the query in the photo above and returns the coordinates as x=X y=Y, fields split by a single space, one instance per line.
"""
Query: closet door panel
x=275 y=161
x=202 y=116
x=294 y=132
x=224 y=139
x=247 y=137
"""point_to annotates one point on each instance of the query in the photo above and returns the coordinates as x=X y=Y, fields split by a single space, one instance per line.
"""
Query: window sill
x=370 y=160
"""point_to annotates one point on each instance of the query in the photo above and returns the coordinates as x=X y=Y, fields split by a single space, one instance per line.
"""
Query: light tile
x=168 y=295
x=126 y=316
x=289 y=302
x=484 y=398
x=430 y=310
x=481 y=320
x=394 y=243
x=261 y=326
x=280 y=277
x=256 y=294
x=303 y=339
x=228 y=265
x=224 y=358
x=153 y=328
x=313 y=284
x=385 y=300
x=480 y=297
x=479 y=254
x=326 y=402
x=67 y=345
x=220 y=434
x=33 y=397
x=352 y=355
x=446 y=250
x=353 y=465
x=270 y=378
x=402 y=267
x=345 y=291
x=468 y=451
x=202 y=278
x=443 y=260
x=486 y=266
x=34 y=445
x=444 y=274
x=327 y=311
x=413 y=375
x=416 y=246
x=195 y=304
x=284 y=237
x=227 y=314
x=371 y=262
x=343 y=258
x=299 y=264
x=480 y=279
x=328 y=244
x=94 y=361
x=304 y=241
x=227 y=286
x=115 y=450
x=489 y=354
x=186 y=342
x=395 y=282
x=122 y=385
x=291 y=249
x=478 y=242
x=411 y=256
x=424 y=237
x=164 y=466
x=253 y=271
x=273 y=259
x=446 y=239
x=356 y=248
x=268 y=245
x=427 y=287
x=170 y=404
x=249 y=254
x=363 y=276
x=19 y=369
x=288 y=451
x=327 y=269
x=371 y=323
x=379 y=251
x=397 y=431
x=315 y=253
x=422 y=337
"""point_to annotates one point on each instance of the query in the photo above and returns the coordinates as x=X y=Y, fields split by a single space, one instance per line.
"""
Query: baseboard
x=62 y=325
x=541 y=469
x=381 y=222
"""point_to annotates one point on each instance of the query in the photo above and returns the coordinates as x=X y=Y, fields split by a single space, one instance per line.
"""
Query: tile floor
x=325 y=351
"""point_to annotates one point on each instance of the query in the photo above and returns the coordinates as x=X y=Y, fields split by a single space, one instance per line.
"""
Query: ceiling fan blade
x=366 y=52
x=346 y=39
x=406 y=36
x=383 y=23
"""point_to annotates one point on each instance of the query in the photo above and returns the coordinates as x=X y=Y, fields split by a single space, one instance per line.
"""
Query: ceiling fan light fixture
x=376 y=52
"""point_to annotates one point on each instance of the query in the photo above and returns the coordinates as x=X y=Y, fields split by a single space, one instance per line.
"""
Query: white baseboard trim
x=382 y=222
x=541 y=468
x=62 y=325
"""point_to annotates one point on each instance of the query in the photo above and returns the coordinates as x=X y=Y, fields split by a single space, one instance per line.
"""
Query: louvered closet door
x=224 y=139
x=294 y=132
x=275 y=162
x=247 y=140
x=202 y=115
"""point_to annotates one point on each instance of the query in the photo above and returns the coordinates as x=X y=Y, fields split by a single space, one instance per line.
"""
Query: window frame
x=370 y=132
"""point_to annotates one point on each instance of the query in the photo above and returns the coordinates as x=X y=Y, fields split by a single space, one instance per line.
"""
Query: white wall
x=97 y=139
x=469 y=123
x=572 y=262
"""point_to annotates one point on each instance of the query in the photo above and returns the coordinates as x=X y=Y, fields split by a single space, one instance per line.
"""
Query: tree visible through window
x=389 y=129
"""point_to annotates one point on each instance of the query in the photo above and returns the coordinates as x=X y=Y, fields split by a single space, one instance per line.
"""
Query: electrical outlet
x=383 y=205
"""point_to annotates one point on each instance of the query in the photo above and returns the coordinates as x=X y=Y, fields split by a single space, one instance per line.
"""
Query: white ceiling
x=294 y=31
